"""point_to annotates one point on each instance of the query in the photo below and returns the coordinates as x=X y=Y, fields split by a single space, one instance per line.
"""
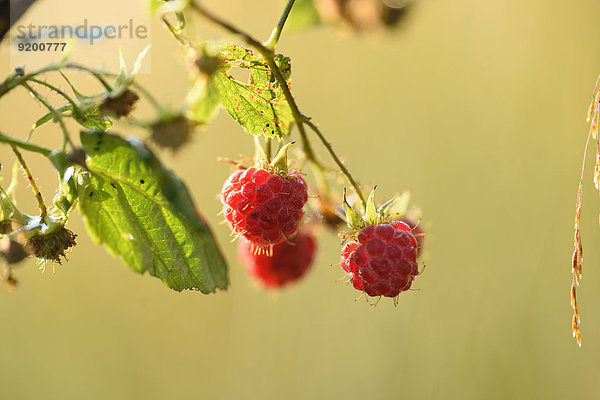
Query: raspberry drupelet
x=383 y=259
x=264 y=207
x=415 y=228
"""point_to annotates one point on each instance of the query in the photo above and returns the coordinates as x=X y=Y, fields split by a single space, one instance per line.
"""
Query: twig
x=25 y=146
x=274 y=39
x=34 y=187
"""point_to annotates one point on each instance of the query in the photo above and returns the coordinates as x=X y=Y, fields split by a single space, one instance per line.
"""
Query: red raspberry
x=289 y=262
x=383 y=261
x=265 y=208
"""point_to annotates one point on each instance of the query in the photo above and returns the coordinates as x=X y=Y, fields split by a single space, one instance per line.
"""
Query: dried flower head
x=121 y=105
x=172 y=132
x=53 y=246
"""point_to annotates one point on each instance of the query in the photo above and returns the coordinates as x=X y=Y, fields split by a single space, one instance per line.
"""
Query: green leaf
x=44 y=119
x=303 y=15
x=259 y=105
x=203 y=99
x=143 y=213
x=91 y=119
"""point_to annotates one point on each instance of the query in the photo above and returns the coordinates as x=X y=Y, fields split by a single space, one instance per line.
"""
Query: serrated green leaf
x=143 y=213
x=259 y=105
x=256 y=111
x=91 y=119
x=304 y=15
x=234 y=54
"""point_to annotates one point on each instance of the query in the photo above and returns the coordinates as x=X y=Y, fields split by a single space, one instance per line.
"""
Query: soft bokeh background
x=479 y=108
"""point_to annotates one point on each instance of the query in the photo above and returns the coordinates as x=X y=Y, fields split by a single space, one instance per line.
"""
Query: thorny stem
x=100 y=76
x=302 y=119
x=96 y=74
x=274 y=39
x=339 y=163
x=34 y=187
x=15 y=80
x=56 y=114
x=25 y=146
x=55 y=89
x=227 y=26
x=268 y=54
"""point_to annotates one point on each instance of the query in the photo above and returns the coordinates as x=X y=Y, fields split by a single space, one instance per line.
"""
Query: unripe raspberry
x=264 y=207
x=382 y=260
x=290 y=260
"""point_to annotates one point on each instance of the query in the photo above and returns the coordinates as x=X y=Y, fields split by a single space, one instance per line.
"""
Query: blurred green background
x=478 y=108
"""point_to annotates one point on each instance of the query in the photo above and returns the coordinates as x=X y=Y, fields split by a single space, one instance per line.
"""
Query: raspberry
x=383 y=260
x=290 y=260
x=265 y=208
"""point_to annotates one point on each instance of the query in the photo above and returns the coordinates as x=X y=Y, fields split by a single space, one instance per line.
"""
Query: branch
x=227 y=26
x=25 y=146
x=274 y=39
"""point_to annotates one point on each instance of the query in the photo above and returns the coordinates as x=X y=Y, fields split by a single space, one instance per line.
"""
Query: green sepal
x=353 y=219
x=65 y=200
x=259 y=152
x=280 y=162
x=371 y=214
x=398 y=205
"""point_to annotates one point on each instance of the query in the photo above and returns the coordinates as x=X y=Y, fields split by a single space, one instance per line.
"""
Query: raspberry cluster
x=383 y=259
x=289 y=262
x=264 y=207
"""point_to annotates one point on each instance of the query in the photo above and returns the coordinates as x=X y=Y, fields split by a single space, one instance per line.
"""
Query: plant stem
x=56 y=114
x=268 y=149
x=274 y=39
x=339 y=163
x=96 y=74
x=34 y=187
x=227 y=26
x=25 y=146
x=57 y=90
x=14 y=80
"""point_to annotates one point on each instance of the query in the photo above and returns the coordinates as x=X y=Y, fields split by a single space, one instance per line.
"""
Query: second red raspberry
x=383 y=259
